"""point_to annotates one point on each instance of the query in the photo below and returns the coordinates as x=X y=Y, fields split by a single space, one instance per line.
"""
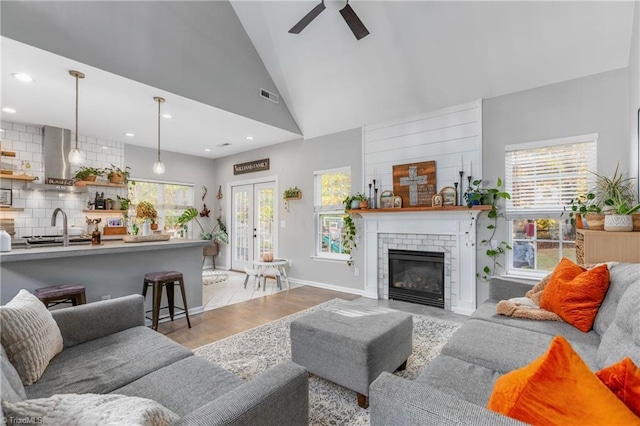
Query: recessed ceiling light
x=9 y=110
x=105 y=147
x=23 y=77
x=166 y=116
x=1 y=130
x=249 y=138
x=129 y=134
x=207 y=150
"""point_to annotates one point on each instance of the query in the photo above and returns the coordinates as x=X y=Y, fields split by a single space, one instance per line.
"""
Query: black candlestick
x=461 y=173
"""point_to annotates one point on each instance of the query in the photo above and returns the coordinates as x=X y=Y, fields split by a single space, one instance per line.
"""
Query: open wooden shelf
x=10 y=209
x=108 y=184
x=17 y=177
x=103 y=211
x=420 y=209
x=7 y=153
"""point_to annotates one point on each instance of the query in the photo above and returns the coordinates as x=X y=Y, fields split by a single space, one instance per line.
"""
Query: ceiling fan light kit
x=348 y=14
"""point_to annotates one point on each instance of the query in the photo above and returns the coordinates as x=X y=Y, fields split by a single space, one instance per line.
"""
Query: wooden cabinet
x=603 y=246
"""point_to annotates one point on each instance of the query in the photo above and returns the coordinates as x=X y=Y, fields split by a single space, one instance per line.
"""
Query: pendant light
x=158 y=166
x=76 y=157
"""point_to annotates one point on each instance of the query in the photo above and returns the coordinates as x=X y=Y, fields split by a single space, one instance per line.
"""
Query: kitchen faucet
x=65 y=234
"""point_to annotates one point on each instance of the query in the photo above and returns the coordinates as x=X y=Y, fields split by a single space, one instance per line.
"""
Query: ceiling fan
x=350 y=17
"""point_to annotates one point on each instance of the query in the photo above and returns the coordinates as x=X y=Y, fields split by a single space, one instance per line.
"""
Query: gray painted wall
x=634 y=97
x=179 y=168
x=593 y=104
x=293 y=163
x=197 y=49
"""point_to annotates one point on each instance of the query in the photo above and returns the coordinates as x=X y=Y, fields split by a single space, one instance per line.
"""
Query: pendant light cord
x=76 y=111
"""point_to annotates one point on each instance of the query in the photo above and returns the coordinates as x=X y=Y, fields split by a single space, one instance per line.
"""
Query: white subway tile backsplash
x=11 y=135
x=34 y=130
x=6 y=125
x=19 y=127
x=26 y=137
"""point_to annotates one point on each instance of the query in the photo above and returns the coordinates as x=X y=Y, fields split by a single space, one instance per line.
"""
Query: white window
x=170 y=200
x=542 y=178
x=331 y=187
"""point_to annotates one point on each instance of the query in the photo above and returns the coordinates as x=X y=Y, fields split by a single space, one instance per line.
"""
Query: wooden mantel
x=421 y=209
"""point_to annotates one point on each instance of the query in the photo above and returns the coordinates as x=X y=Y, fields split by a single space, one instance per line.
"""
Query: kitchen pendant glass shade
x=158 y=166
x=76 y=156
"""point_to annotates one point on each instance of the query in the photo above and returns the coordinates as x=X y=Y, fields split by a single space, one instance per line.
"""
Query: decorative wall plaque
x=415 y=183
x=251 y=166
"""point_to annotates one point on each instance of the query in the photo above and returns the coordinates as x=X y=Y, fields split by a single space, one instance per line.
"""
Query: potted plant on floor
x=218 y=234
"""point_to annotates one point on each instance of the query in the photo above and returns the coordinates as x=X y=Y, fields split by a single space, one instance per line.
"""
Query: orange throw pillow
x=575 y=294
x=558 y=388
x=623 y=379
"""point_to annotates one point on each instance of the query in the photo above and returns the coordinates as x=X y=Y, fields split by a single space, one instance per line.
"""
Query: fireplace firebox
x=417 y=276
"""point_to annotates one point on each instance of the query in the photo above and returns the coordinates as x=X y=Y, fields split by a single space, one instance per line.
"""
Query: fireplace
x=417 y=276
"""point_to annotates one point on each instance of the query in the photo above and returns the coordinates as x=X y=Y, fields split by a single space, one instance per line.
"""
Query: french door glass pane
x=265 y=221
x=242 y=232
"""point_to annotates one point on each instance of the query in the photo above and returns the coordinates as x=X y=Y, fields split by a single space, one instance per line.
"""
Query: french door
x=253 y=223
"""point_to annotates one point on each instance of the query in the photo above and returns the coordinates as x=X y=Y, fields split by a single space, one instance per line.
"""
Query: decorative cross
x=412 y=182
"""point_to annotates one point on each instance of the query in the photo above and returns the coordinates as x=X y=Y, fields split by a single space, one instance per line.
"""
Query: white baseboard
x=359 y=292
x=462 y=311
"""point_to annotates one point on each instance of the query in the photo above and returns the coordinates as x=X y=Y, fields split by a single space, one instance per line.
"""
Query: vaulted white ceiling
x=424 y=55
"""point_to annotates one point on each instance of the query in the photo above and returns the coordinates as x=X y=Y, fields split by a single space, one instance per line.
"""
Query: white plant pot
x=618 y=222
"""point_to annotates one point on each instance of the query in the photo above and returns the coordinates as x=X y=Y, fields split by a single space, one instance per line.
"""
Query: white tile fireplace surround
x=450 y=231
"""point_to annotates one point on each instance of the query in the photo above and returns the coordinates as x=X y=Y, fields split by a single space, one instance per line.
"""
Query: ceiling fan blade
x=356 y=25
x=307 y=19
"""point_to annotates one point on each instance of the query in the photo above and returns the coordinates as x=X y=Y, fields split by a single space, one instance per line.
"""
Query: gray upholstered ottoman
x=351 y=346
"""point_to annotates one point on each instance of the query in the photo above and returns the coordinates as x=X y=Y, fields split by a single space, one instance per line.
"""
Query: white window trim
x=318 y=210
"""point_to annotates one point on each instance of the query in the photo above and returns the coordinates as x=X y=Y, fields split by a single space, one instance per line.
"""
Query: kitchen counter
x=107 y=247
x=110 y=270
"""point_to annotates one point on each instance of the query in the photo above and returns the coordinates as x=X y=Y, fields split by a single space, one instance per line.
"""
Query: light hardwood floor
x=217 y=324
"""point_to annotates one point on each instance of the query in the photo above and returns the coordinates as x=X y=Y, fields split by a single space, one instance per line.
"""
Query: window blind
x=543 y=177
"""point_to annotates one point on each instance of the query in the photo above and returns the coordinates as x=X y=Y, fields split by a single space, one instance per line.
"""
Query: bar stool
x=166 y=279
x=57 y=294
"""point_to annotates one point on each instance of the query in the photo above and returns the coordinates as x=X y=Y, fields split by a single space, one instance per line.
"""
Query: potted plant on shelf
x=218 y=234
x=349 y=231
x=585 y=207
x=88 y=174
x=117 y=175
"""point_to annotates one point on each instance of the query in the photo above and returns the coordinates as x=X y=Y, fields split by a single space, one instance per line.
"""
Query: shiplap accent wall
x=446 y=136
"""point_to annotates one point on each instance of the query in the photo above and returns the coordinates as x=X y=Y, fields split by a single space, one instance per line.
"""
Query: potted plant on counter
x=148 y=213
x=88 y=174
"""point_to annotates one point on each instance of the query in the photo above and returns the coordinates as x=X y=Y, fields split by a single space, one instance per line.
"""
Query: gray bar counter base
x=112 y=269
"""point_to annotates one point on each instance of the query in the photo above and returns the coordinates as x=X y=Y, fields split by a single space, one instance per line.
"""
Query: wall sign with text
x=251 y=166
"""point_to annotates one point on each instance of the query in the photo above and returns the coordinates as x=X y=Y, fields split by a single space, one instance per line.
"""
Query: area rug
x=252 y=352
x=213 y=277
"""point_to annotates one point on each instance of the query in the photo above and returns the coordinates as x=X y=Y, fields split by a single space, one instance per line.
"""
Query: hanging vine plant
x=490 y=197
x=349 y=231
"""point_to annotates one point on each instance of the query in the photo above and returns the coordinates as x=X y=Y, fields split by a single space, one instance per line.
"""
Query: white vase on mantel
x=146 y=228
x=618 y=223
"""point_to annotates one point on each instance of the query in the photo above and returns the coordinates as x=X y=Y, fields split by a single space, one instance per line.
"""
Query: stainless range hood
x=56 y=143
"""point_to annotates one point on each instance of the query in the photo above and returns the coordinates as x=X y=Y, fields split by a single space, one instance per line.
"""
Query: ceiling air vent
x=269 y=96
x=222 y=145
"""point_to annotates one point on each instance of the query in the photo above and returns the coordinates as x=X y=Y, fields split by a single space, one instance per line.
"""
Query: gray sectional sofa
x=455 y=387
x=107 y=349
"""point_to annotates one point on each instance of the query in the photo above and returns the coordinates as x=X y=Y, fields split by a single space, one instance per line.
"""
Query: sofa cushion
x=29 y=335
x=576 y=299
x=487 y=312
x=459 y=378
x=161 y=385
x=11 y=387
x=91 y=409
x=108 y=363
x=622 y=276
x=622 y=338
x=502 y=348
x=623 y=379
x=558 y=389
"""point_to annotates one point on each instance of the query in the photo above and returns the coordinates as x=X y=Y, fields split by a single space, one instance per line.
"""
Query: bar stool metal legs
x=166 y=279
